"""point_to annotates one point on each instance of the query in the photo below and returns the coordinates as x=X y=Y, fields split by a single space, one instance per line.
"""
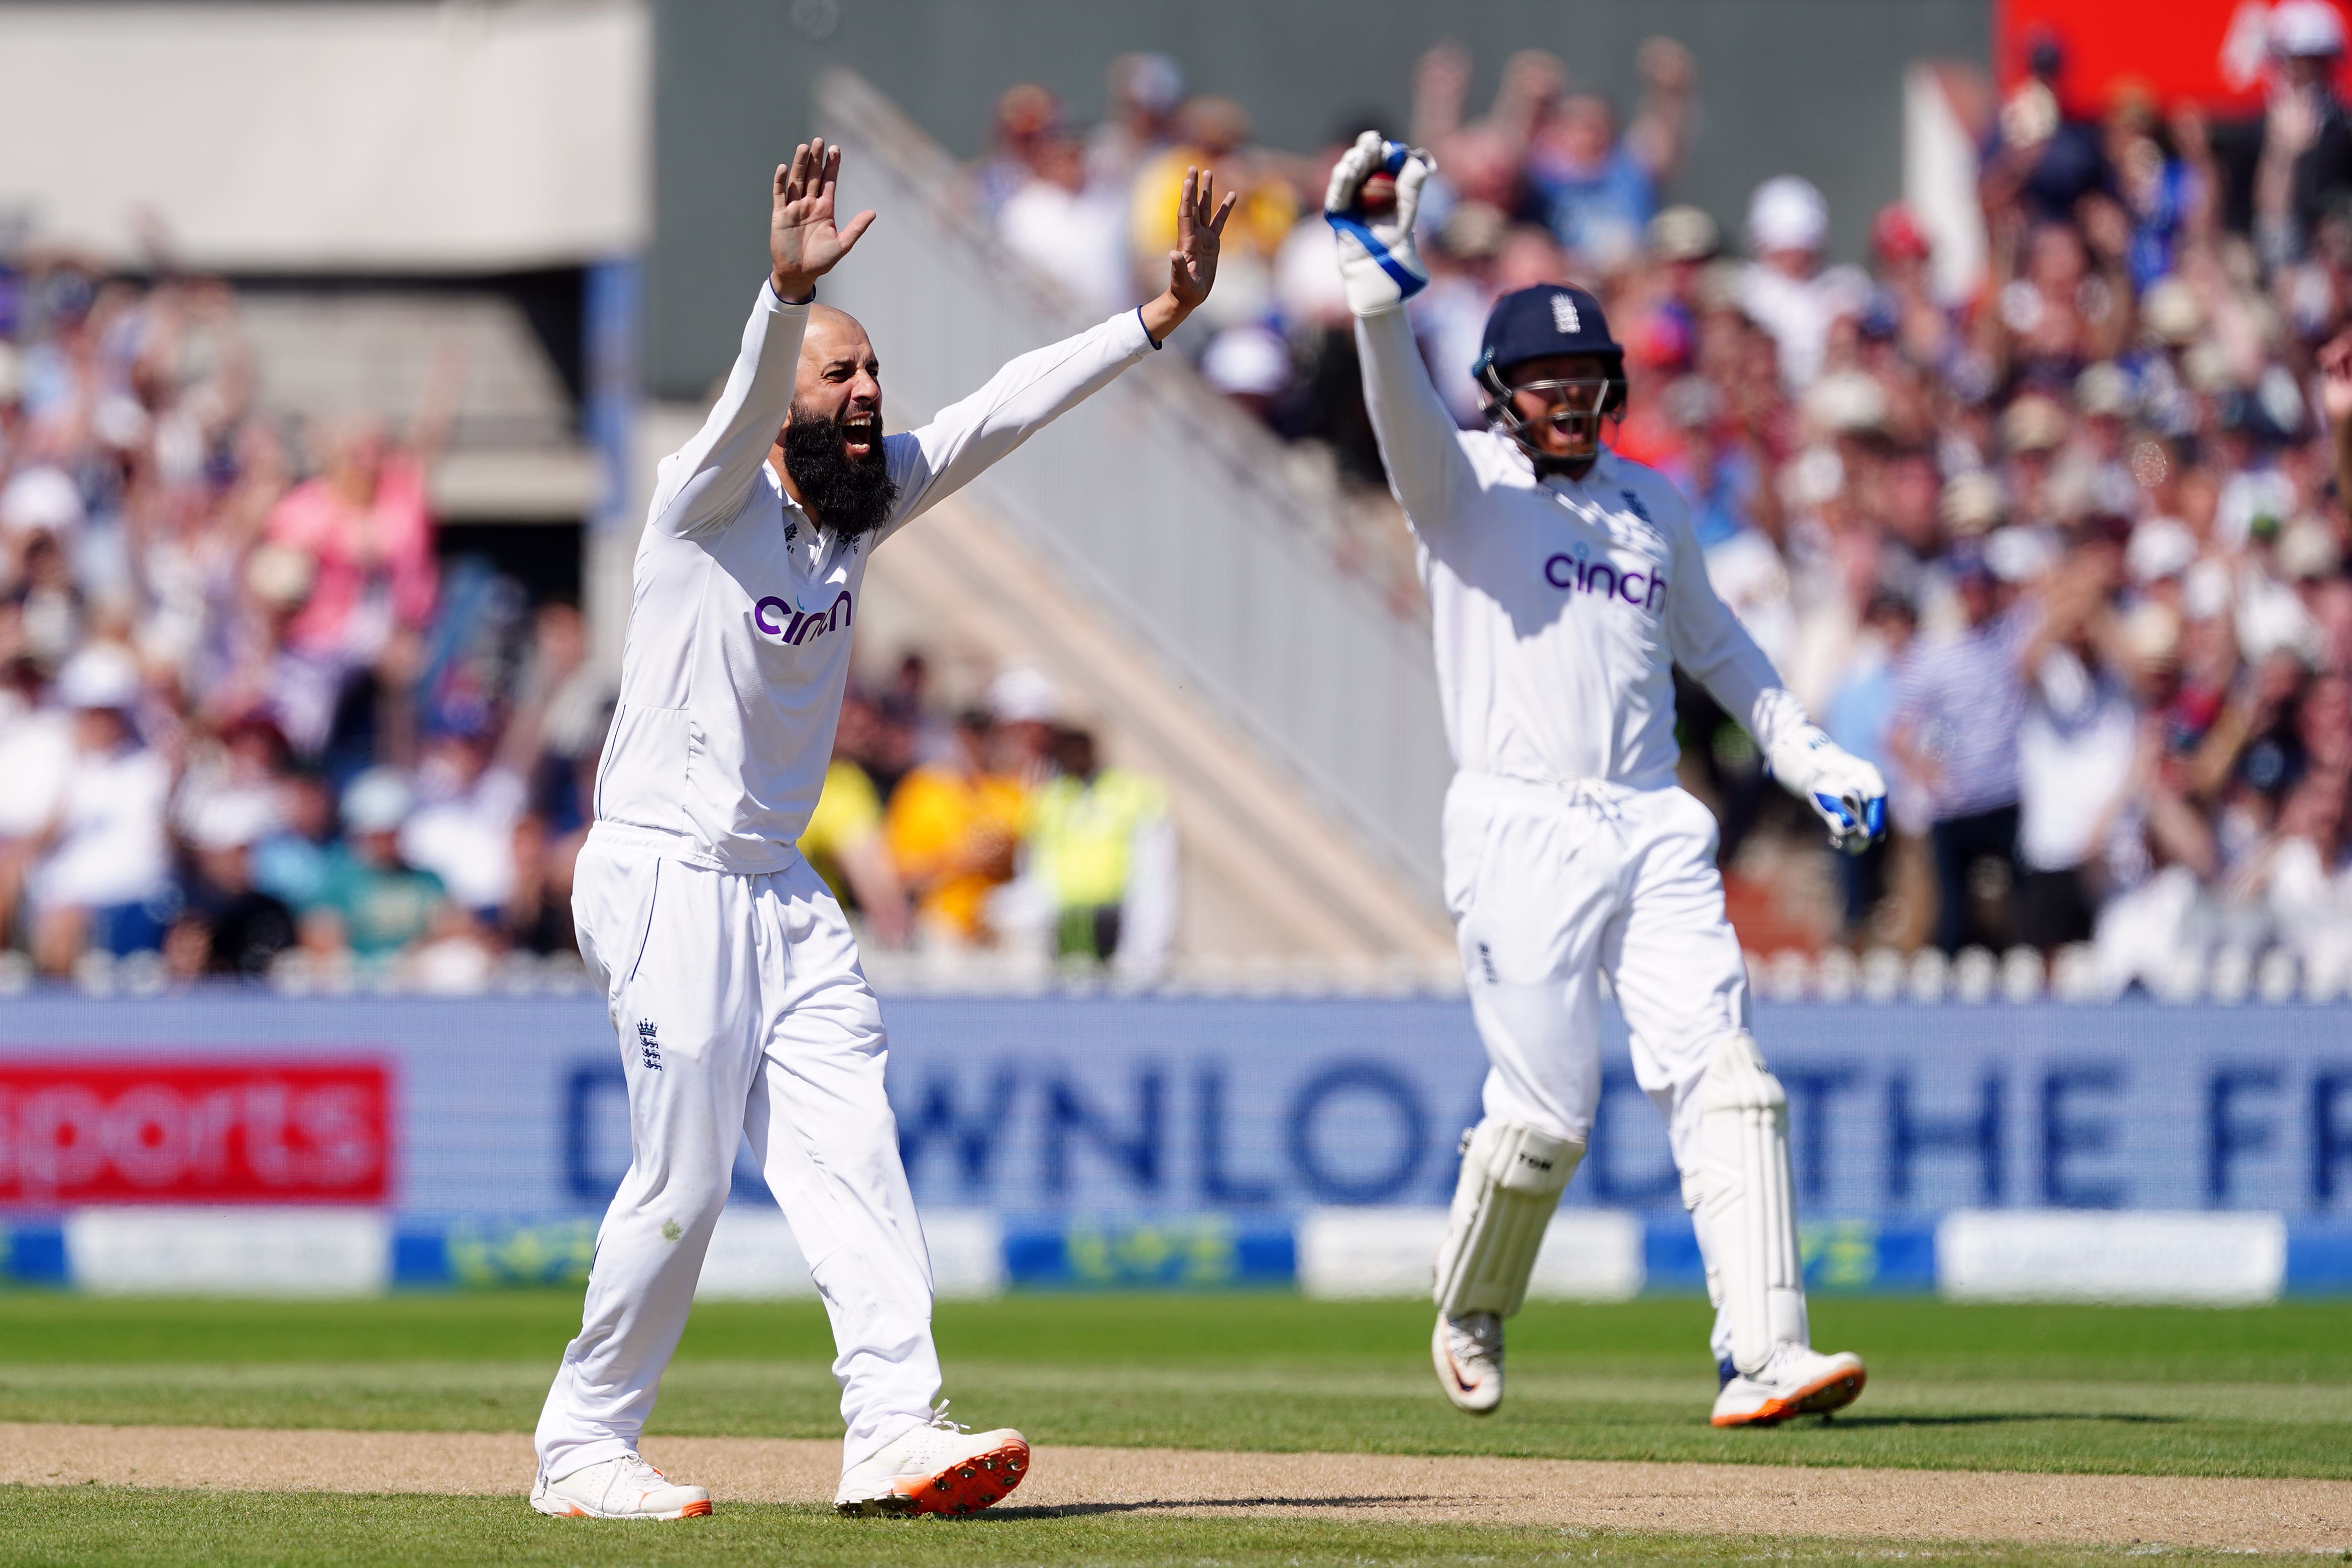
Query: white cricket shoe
x=1468 y=1351
x=944 y=1467
x=625 y=1488
x=1797 y=1380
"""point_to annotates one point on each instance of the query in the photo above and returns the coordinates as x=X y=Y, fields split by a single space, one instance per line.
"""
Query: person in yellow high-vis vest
x=1103 y=847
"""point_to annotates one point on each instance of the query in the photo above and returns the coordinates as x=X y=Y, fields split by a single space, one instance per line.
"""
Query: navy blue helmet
x=1534 y=322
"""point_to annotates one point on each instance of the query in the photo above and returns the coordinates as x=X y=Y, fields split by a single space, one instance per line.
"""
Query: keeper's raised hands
x=1374 y=194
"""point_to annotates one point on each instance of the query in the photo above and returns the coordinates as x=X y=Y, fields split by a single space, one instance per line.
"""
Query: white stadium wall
x=373 y=138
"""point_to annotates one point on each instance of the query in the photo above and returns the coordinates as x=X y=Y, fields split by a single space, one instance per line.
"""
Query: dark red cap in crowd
x=1896 y=235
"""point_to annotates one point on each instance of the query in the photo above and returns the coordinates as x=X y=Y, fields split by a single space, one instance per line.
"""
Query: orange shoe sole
x=970 y=1485
x=691 y=1510
x=1833 y=1392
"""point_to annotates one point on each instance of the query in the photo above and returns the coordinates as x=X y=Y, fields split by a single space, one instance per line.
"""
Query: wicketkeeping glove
x=1845 y=791
x=1377 y=260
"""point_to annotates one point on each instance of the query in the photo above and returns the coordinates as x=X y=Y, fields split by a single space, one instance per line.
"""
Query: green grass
x=116 y=1525
x=2257 y=1391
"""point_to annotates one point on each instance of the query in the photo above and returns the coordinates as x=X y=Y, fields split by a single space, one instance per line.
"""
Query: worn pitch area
x=2213 y=1512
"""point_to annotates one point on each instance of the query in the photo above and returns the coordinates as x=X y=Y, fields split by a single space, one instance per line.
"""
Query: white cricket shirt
x=1559 y=607
x=737 y=651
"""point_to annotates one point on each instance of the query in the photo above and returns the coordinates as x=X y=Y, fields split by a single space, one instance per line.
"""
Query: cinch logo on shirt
x=1579 y=575
x=804 y=625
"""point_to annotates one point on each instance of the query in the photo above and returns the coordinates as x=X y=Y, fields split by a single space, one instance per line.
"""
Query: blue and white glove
x=1378 y=262
x=1845 y=792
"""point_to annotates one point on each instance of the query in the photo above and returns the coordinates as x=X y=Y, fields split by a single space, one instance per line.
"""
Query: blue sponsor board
x=1258 y=1110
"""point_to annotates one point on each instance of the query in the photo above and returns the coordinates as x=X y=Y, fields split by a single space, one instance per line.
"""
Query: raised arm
x=1037 y=388
x=702 y=484
x=1420 y=443
x=1370 y=203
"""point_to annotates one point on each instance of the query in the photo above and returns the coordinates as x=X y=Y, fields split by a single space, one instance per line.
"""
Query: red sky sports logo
x=146 y=1132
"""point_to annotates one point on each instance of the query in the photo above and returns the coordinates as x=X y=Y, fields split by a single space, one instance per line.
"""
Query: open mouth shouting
x=861 y=433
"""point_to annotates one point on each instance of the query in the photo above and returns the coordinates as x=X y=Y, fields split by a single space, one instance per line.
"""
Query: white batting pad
x=1511 y=1180
x=1745 y=1214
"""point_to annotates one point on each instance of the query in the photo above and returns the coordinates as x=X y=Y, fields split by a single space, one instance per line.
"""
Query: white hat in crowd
x=232 y=819
x=102 y=674
x=2019 y=555
x=42 y=498
x=1022 y=696
x=1787 y=213
x=378 y=801
x=2206 y=591
x=1847 y=402
x=2161 y=547
x=1247 y=360
x=2308 y=549
x=2300 y=29
x=1971 y=504
x=2104 y=389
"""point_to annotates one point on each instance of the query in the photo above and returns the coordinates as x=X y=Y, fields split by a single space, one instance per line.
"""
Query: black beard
x=850 y=496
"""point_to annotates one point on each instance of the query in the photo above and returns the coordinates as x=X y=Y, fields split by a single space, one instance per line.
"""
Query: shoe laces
x=638 y=1471
x=1475 y=1336
x=940 y=1422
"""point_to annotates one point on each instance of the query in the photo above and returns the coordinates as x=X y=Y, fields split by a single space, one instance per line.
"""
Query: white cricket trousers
x=1554 y=884
x=741 y=1010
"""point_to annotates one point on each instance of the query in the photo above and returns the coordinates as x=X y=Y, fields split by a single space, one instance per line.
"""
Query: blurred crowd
x=252 y=723
x=2062 y=546
x=249 y=719
x=993 y=826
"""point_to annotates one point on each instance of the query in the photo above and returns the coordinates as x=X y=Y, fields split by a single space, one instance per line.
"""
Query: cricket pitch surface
x=2221 y=1513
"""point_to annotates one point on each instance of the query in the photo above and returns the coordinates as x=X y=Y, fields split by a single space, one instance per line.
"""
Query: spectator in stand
x=952 y=826
x=568 y=699
x=1217 y=138
x=102 y=880
x=2043 y=159
x=1103 y=846
x=1072 y=231
x=2077 y=754
x=1023 y=706
x=1859 y=717
x=372 y=903
x=844 y=840
x=37 y=759
x=470 y=798
x=368 y=531
x=536 y=916
x=1145 y=92
x=1598 y=190
x=1027 y=116
x=230 y=927
x=293 y=861
x=364 y=528
x=1785 y=289
x=2302 y=169
x=1958 y=702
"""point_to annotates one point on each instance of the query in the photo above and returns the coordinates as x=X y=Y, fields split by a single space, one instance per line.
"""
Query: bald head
x=838 y=380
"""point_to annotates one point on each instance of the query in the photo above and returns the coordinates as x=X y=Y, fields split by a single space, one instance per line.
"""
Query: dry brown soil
x=1938 y=1505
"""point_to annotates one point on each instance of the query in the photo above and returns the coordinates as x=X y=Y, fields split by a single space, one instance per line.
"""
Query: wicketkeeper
x=1564 y=585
